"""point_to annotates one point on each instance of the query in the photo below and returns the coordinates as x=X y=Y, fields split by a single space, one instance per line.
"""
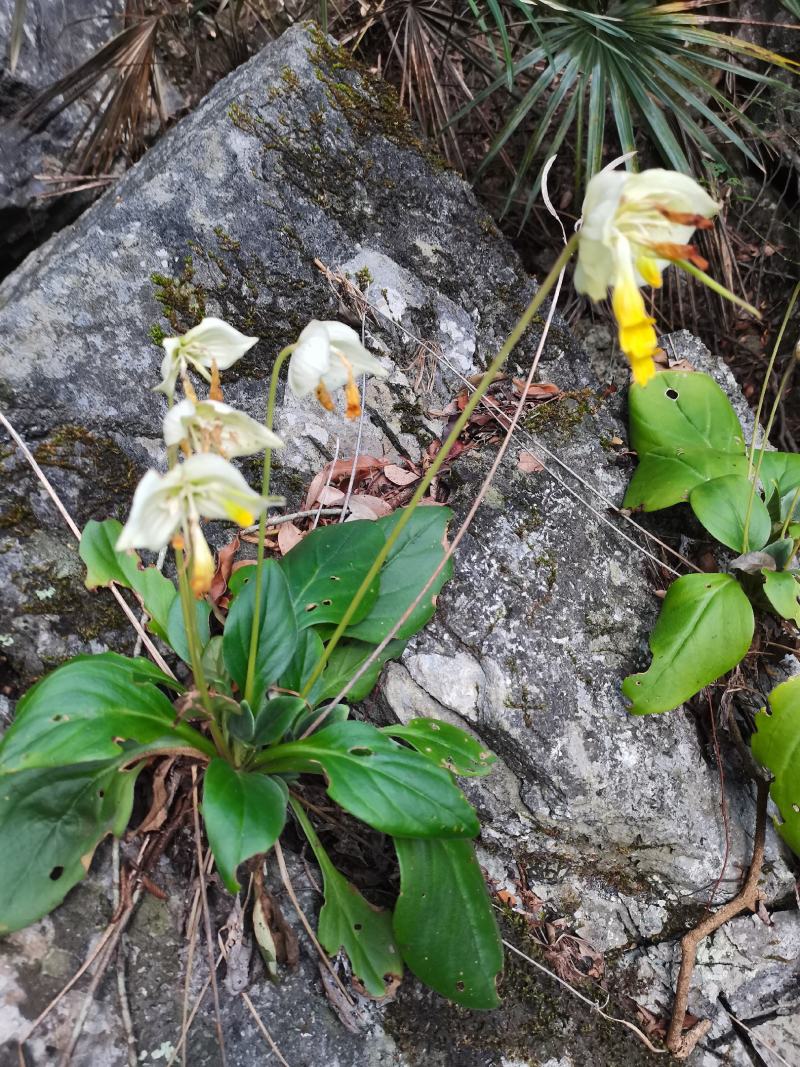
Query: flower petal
x=215 y=339
x=310 y=360
x=155 y=513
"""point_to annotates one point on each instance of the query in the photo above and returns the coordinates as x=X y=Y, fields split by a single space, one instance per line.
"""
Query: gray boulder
x=613 y=823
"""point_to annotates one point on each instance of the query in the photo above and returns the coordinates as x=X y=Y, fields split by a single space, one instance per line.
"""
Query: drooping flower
x=165 y=505
x=328 y=356
x=211 y=341
x=211 y=426
x=635 y=225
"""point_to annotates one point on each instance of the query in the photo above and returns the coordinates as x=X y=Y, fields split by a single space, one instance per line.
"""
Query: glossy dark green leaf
x=85 y=709
x=176 y=631
x=444 y=924
x=380 y=782
x=244 y=814
x=350 y=923
x=346 y=659
x=660 y=481
x=722 y=506
x=704 y=630
x=447 y=745
x=782 y=590
x=326 y=568
x=414 y=557
x=51 y=821
x=781 y=552
x=214 y=667
x=327 y=715
x=276 y=718
x=277 y=635
x=105 y=565
x=240 y=578
x=680 y=411
x=242 y=726
x=306 y=656
x=776 y=745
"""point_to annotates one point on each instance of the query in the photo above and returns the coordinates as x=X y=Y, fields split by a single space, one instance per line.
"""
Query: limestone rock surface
x=298 y=160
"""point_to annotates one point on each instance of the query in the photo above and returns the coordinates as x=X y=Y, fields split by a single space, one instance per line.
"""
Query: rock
x=613 y=823
x=58 y=37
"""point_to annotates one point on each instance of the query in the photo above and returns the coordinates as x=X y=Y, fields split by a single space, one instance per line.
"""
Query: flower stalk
x=487 y=379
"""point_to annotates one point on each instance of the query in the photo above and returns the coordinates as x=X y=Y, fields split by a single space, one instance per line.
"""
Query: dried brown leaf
x=399 y=476
x=288 y=536
x=529 y=463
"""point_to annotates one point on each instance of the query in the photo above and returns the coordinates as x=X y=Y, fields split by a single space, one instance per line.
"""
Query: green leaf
x=776 y=745
x=105 y=565
x=412 y=560
x=779 y=471
x=276 y=718
x=662 y=480
x=385 y=785
x=704 y=629
x=781 y=551
x=680 y=411
x=347 y=921
x=444 y=924
x=326 y=568
x=84 y=710
x=307 y=655
x=722 y=505
x=345 y=660
x=176 y=630
x=446 y=745
x=242 y=726
x=782 y=590
x=244 y=814
x=277 y=635
x=333 y=713
x=51 y=821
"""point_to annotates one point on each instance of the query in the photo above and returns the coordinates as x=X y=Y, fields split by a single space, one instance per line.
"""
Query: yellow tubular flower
x=634 y=226
x=201 y=561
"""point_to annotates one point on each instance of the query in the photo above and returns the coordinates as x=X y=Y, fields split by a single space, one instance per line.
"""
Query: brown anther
x=188 y=389
x=178 y=542
x=686 y=218
x=668 y=250
x=215 y=389
x=324 y=397
x=185 y=447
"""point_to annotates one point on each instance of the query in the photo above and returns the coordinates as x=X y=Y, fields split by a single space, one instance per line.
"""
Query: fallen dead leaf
x=529 y=463
x=365 y=465
x=288 y=536
x=399 y=476
x=329 y=496
x=536 y=390
x=163 y=792
x=225 y=558
x=367 y=507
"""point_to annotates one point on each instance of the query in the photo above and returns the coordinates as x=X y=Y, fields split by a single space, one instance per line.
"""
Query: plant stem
x=767 y=375
x=790 y=513
x=262 y=526
x=196 y=655
x=715 y=286
x=405 y=516
x=767 y=430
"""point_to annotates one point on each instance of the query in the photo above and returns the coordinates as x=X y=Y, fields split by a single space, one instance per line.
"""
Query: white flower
x=328 y=356
x=211 y=341
x=165 y=505
x=211 y=426
x=634 y=225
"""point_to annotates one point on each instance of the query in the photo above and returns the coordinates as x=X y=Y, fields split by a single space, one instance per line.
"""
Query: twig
x=102 y=965
x=26 y=452
x=307 y=925
x=280 y=519
x=207 y=918
x=260 y=1024
x=723 y=802
x=192 y=928
x=683 y=1045
x=755 y=1036
x=587 y=1000
x=122 y=992
x=318 y=512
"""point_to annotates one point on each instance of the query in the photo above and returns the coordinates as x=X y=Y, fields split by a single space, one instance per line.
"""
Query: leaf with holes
x=704 y=630
x=51 y=821
x=782 y=590
x=680 y=411
x=326 y=569
x=105 y=565
x=660 y=480
x=277 y=634
x=412 y=560
x=385 y=785
x=244 y=814
x=444 y=924
x=776 y=745
x=726 y=506
x=349 y=922
x=85 y=710
x=447 y=745
x=346 y=659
